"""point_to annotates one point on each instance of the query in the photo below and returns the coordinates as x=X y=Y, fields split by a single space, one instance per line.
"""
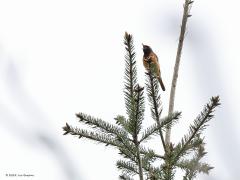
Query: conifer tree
x=130 y=138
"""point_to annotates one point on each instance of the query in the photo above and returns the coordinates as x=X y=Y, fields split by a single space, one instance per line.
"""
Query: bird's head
x=146 y=49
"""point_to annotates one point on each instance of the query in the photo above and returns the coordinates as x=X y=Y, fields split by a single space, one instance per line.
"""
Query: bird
x=150 y=56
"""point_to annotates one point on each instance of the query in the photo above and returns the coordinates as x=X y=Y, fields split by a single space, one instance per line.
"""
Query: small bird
x=150 y=56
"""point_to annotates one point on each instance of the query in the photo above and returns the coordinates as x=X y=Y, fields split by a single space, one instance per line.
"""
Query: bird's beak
x=143 y=44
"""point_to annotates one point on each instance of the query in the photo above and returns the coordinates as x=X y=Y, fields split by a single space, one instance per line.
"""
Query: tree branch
x=154 y=98
x=185 y=17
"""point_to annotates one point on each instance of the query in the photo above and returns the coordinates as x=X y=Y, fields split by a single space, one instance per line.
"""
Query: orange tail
x=161 y=83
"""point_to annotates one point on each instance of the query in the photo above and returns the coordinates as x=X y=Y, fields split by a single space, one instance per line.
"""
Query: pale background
x=60 y=57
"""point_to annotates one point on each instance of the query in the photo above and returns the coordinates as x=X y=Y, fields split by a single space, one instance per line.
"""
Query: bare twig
x=185 y=17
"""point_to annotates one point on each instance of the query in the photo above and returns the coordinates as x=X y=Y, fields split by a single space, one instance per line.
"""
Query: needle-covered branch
x=125 y=177
x=134 y=100
x=194 y=166
x=197 y=127
x=102 y=126
x=150 y=152
x=154 y=129
x=123 y=122
x=155 y=101
x=130 y=77
x=127 y=167
x=96 y=136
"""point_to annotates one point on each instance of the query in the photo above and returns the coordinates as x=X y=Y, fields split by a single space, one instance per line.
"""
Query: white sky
x=61 y=57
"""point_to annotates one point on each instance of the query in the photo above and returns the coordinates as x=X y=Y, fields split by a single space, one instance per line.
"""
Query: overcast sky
x=60 y=57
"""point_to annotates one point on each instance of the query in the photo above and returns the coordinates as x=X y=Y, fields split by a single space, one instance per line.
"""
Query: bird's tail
x=161 y=83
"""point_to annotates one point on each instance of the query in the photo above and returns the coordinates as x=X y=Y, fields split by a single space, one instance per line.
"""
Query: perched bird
x=150 y=58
